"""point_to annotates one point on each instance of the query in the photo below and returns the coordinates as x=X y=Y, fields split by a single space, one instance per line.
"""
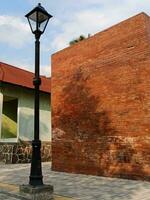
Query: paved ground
x=72 y=185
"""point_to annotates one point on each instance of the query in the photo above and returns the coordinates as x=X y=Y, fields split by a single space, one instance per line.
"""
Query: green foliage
x=80 y=38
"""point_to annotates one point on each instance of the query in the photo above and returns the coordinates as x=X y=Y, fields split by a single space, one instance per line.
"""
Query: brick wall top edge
x=141 y=17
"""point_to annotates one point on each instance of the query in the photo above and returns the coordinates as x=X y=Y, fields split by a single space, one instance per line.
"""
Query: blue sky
x=71 y=18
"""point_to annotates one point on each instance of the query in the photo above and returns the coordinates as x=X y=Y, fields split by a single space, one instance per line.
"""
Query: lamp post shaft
x=36 y=177
x=37 y=83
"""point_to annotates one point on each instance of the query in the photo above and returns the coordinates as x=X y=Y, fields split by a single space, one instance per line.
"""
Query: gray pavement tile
x=81 y=187
x=8 y=196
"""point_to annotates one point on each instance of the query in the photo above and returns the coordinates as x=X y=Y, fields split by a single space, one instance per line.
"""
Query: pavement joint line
x=9 y=189
x=73 y=186
x=63 y=197
x=13 y=195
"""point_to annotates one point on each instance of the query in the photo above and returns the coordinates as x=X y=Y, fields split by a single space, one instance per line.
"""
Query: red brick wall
x=101 y=103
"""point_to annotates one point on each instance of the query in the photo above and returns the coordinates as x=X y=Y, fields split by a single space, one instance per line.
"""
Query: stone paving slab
x=9 y=191
x=78 y=187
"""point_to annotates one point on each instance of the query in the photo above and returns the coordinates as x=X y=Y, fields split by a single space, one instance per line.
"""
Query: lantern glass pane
x=42 y=25
x=32 y=24
x=42 y=17
x=33 y=16
x=38 y=20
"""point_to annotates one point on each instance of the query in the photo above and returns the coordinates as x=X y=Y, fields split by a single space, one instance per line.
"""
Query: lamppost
x=38 y=19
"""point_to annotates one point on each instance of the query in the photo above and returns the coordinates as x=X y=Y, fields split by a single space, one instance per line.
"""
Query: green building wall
x=22 y=125
x=17 y=124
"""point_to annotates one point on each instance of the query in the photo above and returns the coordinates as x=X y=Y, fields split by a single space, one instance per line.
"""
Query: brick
x=101 y=103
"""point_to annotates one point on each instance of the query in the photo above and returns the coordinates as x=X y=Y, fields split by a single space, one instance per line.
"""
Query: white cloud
x=22 y=64
x=82 y=23
x=45 y=70
x=92 y=19
x=13 y=31
x=71 y=19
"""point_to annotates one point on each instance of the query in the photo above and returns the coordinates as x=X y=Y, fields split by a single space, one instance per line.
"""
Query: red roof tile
x=17 y=76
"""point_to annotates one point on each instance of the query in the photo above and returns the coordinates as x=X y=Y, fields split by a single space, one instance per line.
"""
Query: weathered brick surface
x=101 y=103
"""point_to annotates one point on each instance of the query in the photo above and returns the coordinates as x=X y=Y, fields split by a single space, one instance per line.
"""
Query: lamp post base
x=36 y=177
x=42 y=192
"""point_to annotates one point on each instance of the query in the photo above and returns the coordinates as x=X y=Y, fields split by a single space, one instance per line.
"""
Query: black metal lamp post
x=38 y=19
